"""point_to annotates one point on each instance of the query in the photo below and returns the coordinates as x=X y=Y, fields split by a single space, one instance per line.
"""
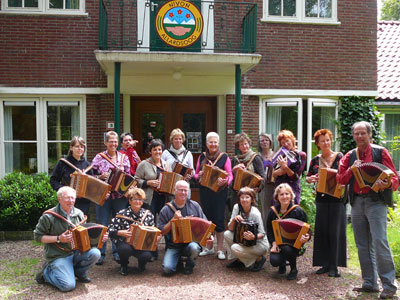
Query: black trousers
x=288 y=253
x=125 y=251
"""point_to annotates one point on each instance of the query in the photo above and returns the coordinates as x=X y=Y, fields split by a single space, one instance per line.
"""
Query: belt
x=367 y=195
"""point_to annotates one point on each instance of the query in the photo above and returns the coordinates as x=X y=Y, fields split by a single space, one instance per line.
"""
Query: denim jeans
x=172 y=256
x=111 y=206
x=369 y=225
x=62 y=271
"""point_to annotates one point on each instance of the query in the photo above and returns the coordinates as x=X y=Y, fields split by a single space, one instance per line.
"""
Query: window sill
x=42 y=13
x=295 y=21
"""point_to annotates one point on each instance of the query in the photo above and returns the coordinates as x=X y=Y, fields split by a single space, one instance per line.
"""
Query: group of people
x=278 y=197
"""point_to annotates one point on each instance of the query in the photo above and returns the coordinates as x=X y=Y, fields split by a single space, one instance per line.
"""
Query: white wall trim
x=221 y=121
x=311 y=93
x=53 y=91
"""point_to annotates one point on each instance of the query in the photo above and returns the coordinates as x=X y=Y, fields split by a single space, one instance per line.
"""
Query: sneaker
x=221 y=255
x=207 y=251
x=39 y=275
x=258 y=265
x=386 y=294
x=235 y=264
x=101 y=260
x=292 y=275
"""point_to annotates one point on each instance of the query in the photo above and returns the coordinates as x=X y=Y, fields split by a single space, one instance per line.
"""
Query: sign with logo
x=179 y=23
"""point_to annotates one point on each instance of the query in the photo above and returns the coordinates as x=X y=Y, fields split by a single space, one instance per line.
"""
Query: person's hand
x=382 y=184
x=125 y=233
x=66 y=237
x=222 y=181
x=238 y=219
x=153 y=183
x=177 y=215
x=103 y=176
x=239 y=166
x=304 y=238
x=357 y=163
x=248 y=235
x=282 y=161
x=189 y=176
x=313 y=178
x=105 y=237
x=275 y=248
x=159 y=238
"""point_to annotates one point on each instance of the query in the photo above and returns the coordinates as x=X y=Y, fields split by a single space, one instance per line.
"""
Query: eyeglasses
x=182 y=190
x=141 y=200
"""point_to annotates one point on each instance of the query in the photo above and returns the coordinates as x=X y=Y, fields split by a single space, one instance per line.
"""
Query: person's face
x=244 y=146
x=112 y=144
x=177 y=141
x=324 y=142
x=212 y=144
x=287 y=143
x=245 y=201
x=156 y=152
x=284 y=197
x=67 y=201
x=77 y=150
x=127 y=142
x=265 y=142
x=136 y=203
x=361 y=136
x=181 y=194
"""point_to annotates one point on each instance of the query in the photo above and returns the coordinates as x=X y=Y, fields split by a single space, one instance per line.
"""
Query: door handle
x=153 y=5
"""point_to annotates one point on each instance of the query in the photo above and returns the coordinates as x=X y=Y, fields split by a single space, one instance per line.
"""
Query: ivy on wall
x=354 y=109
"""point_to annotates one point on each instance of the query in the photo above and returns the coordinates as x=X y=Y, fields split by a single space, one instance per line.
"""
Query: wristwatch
x=58 y=239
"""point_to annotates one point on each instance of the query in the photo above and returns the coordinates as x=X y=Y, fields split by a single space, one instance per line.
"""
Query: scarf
x=245 y=158
x=210 y=157
x=178 y=152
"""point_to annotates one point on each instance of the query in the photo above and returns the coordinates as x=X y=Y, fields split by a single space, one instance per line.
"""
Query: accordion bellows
x=89 y=187
x=242 y=227
x=246 y=178
x=289 y=231
x=88 y=235
x=327 y=183
x=210 y=177
x=120 y=181
x=367 y=174
x=191 y=229
x=181 y=169
x=143 y=237
x=167 y=182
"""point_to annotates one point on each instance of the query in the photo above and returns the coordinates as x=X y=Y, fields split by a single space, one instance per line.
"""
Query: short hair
x=126 y=134
x=65 y=189
x=286 y=134
x=111 y=134
x=176 y=132
x=76 y=140
x=180 y=183
x=247 y=191
x=269 y=137
x=320 y=132
x=211 y=135
x=283 y=186
x=134 y=191
x=155 y=143
x=241 y=137
x=365 y=124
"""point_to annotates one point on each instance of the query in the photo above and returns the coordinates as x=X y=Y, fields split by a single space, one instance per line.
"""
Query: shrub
x=308 y=200
x=23 y=198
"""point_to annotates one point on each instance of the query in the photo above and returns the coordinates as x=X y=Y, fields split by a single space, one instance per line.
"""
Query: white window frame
x=300 y=15
x=41 y=124
x=283 y=102
x=388 y=110
x=318 y=102
x=43 y=8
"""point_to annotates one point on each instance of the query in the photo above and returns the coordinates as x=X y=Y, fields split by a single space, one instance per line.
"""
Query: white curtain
x=8 y=136
x=75 y=128
x=274 y=115
x=327 y=118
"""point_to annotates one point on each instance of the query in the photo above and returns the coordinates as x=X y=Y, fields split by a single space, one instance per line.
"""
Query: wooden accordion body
x=191 y=229
x=242 y=227
x=246 y=178
x=367 y=174
x=167 y=182
x=182 y=169
x=120 y=181
x=289 y=231
x=210 y=177
x=143 y=237
x=86 y=236
x=327 y=183
x=89 y=187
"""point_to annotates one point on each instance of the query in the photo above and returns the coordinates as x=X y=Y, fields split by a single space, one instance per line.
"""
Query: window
x=35 y=133
x=44 y=6
x=303 y=11
x=391 y=128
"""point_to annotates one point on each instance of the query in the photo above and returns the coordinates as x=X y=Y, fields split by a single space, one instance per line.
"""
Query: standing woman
x=330 y=220
x=285 y=173
x=213 y=203
x=266 y=151
x=102 y=163
x=128 y=148
x=61 y=175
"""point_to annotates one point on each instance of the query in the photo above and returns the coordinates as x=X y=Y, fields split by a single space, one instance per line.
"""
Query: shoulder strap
x=144 y=216
x=50 y=212
x=275 y=211
x=171 y=206
x=251 y=160
x=217 y=159
x=161 y=168
x=173 y=154
x=70 y=164
x=289 y=210
x=108 y=159
x=125 y=218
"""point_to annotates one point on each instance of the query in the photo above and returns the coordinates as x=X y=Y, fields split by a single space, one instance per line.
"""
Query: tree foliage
x=390 y=10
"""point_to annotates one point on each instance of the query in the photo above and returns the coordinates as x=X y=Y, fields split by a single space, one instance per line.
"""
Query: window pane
x=289 y=8
x=153 y=123
x=62 y=122
x=392 y=126
x=55 y=152
x=14 y=3
x=281 y=117
x=393 y=148
x=326 y=9
x=274 y=7
x=58 y=4
x=20 y=123
x=323 y=117
x=311 y=8
x=72 y=4
x=31 y=3
x=21 y=157
x=194 y=127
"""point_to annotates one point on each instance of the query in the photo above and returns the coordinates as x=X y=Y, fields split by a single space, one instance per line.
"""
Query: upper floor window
x=302 y=11
x=44 y=6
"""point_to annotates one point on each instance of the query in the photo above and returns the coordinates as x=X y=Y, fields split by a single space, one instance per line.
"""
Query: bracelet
x=58 y=239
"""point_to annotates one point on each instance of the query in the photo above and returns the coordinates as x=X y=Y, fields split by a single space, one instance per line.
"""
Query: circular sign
x=179 y=23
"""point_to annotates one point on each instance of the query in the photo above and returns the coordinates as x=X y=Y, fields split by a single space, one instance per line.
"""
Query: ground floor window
x=391 y=130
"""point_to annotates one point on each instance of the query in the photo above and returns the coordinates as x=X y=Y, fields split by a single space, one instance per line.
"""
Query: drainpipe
x=117 y=93
x=238 y=101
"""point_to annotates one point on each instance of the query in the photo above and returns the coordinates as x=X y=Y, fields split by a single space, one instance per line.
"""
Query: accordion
x=89 y=187
x=86 y=236
x=182 y=169
x=191 y=229
x=289 y=231
x=143 y=237
x=242 y=227
x=167 y=182
x=327 y=183
x=210 y=177
x=367 y=174
x=120 y=181
x=291 y=158
x=246 y=178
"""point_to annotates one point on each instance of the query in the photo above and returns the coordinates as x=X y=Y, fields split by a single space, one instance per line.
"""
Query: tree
x=390 y=10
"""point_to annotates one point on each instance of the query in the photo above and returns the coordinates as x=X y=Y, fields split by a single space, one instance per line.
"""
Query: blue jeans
x=111 y=206
x=172 y=256
x=369 y=225
x=62 y=271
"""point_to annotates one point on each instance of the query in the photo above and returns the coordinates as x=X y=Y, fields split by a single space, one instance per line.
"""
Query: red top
x=133 y=159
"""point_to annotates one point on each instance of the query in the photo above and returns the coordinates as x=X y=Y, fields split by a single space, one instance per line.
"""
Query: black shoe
x=235 y=264
x=282 y=269
x=365 y=290
x=101 y=260
x=180 y=267
x=124 y=270
x=188 y=270
x=322 y=270
x=292 y=275
x=39 y=275
x=258 y=265
x=386 y=294
x=334 y=273
x=141 y=267
x=83 y=279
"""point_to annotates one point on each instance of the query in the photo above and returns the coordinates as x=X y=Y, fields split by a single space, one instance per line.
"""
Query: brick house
x=79 y=67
